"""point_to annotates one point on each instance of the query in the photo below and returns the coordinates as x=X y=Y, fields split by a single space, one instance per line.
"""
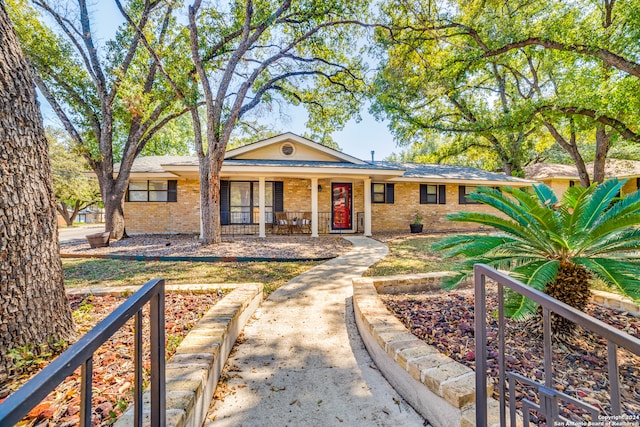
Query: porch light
x=319 y=188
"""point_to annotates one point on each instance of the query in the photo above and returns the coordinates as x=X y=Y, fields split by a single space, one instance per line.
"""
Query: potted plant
x=416 y=225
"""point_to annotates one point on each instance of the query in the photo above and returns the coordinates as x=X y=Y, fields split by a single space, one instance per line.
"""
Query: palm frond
x=498 y=201
x=536 y=275
x=537 y=211
x=613 y=226
x=517 y=306
x=622 y=240
x=479 y=246
x=626 y=206
x=545 y=194
x=618 y=274
x=599 y=201
x=452 y=241
x=502 y=224
x=575 y=201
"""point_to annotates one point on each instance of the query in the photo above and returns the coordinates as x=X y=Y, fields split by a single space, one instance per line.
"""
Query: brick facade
x=183 y=216
x=398 y=216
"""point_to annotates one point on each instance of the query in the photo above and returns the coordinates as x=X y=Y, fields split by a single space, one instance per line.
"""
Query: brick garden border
x=192 y=373
x=439 y=388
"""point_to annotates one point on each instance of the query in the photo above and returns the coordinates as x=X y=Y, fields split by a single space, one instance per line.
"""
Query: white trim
x=367 y=207
x=295 y=138
x=314 y=207
x=262 y=206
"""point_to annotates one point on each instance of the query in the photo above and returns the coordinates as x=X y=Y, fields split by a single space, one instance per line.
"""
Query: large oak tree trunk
x=210 y=201
x=33 y=306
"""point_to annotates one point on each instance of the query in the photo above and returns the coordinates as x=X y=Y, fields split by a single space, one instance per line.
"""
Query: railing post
x=86 y=374
x=158 y=398
x=481 y=348
x=137 y=377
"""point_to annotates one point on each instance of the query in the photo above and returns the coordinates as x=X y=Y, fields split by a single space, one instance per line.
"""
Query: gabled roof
x=614 y=168
x=291 y=137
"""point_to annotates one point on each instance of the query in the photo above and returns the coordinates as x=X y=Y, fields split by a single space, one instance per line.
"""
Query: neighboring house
x=91 y=215
x=336 y=192
x=560 y=177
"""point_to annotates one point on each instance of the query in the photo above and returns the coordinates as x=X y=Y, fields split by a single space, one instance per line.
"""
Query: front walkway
x=303 y=362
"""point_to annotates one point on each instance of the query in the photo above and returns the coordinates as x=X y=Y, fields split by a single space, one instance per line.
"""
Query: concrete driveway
x=67 y=234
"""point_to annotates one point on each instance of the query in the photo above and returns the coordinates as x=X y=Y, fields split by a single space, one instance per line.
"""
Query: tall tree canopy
x=517 y=72
x=109 y=97
x=33 y=305
x=247 y=55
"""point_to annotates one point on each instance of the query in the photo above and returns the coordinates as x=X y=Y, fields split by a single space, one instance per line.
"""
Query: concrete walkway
x=303 y=362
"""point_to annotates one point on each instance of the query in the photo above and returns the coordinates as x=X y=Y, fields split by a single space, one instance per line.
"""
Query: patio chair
x=281 y=224
x=305 y=222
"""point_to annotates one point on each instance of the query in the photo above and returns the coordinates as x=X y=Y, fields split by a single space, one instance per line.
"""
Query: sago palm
x=554 y=246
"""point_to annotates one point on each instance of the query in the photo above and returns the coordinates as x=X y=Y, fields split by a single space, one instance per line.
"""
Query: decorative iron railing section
x=550 y=399
x=247 y=223
x=17 y=405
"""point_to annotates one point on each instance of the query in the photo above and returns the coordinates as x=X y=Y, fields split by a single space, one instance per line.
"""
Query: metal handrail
x=18 y=404
x=615 y=338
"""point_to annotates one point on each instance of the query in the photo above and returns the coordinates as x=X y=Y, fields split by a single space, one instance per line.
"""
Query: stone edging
x=615 y=301
x=192 y=373
x=439 y=388
x=194 y=258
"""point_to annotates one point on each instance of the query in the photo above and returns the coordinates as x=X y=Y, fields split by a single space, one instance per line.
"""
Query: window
x=244 y=202
x=382 y=193
x=572 y=183
x=153 y=191
x=463 y=192
x=432 y=194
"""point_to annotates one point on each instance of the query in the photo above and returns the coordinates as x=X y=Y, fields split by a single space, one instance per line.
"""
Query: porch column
x=367 y=207
x=262 y=205
x=314 y=207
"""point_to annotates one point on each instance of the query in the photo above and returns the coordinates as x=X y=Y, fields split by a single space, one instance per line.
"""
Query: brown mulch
x=113 y=364
x=272 y=246
x=446 y=321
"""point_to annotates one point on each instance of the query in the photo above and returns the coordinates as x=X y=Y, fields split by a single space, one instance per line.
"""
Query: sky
x=356 y=139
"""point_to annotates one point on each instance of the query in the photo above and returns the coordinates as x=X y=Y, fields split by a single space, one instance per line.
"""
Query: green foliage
x=455 y=80
x=73 y=189
x=588 y=227
x=417 y=217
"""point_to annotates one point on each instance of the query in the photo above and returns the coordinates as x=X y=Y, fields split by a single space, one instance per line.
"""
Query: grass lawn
x=408 y=255
x=106 y=272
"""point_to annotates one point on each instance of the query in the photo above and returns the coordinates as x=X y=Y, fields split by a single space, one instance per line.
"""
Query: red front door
x=341 y=206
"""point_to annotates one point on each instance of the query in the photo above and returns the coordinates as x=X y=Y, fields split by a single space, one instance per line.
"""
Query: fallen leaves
x=112 y=363
x=446 y=321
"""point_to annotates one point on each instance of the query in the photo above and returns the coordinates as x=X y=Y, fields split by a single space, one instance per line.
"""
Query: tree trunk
x=602 y=149
x=64 y=213
x=33 y=306
x=113 y=210
x=210 y=201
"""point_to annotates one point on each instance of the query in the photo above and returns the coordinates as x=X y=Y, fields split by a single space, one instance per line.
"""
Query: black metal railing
x=550 y=399
x=30 y=394
x=247 y=223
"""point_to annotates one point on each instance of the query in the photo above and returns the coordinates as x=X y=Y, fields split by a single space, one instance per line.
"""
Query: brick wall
x=182 y=216
x=398 y=216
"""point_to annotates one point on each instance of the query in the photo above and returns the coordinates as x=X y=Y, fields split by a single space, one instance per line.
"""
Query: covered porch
x=295 y=205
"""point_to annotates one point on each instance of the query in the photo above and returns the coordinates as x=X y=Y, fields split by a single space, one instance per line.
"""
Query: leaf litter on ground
x=446 y=321
x=113 y=364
